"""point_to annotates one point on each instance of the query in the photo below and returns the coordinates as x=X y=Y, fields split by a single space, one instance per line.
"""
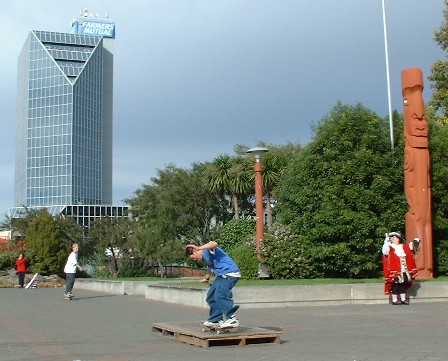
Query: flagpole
x=391 y=123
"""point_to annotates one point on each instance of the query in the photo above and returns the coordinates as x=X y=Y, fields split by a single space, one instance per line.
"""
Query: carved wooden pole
x=416 y=170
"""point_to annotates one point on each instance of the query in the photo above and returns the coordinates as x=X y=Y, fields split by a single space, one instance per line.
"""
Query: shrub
x=101 y=273
x=235 y=232
x=245 y=258
x=285 y=254
x=441 y=258
x=47 y=251
x=332 y=260
x=8 y=260
x=129 y=271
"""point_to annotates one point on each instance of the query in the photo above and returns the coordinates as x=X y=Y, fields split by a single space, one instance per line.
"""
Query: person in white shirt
x=70 y=270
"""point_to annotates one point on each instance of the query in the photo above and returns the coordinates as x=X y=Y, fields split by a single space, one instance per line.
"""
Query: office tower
x=64 y=120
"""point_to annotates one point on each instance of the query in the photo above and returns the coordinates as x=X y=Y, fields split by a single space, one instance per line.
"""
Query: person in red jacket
x=21 y=268
x=399 y=267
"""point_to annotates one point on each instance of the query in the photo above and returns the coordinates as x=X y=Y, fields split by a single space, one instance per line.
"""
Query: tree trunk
x=236 y=207
x=114 y=258
x=268 y=210
x=162 y=270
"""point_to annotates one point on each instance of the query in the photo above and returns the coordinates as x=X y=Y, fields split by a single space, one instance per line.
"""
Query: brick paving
x=40 y=325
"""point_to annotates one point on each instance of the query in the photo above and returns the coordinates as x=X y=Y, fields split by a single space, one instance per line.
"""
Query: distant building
x=5 y=236
x=65 y=122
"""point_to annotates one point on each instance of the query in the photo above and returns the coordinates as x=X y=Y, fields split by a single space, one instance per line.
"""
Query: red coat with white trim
x=392 y=267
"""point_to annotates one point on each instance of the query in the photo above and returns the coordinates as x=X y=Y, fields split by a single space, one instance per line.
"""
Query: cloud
x=194 y=78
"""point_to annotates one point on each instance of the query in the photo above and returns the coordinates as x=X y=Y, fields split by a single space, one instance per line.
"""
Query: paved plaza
x=40 y=325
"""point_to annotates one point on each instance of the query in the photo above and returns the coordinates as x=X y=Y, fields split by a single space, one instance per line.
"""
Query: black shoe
x=396 y=303
x=405 y=303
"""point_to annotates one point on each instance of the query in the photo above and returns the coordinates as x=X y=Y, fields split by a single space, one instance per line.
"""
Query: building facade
x=65 y=119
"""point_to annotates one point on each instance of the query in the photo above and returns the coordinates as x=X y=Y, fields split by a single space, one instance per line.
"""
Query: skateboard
x=218 y=329
x=33 y=282
x=69 y=298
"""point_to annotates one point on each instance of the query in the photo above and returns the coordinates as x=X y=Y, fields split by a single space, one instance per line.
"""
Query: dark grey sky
x=195 y=77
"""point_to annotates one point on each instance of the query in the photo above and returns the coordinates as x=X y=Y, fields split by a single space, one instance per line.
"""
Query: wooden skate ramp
x=191 y=333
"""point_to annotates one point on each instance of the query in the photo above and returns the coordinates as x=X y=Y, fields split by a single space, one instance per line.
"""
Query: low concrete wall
x=274 y=296
x=116 y=287
x=429 y=291
x=188 y=296
x=293 y=295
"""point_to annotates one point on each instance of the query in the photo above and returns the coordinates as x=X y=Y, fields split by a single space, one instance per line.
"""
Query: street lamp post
x=257 y=152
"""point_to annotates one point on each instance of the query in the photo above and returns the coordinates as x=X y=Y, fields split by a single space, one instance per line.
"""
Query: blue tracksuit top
x=219 y=261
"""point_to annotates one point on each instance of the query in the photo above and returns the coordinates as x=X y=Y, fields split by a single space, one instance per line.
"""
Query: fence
x=176 y=271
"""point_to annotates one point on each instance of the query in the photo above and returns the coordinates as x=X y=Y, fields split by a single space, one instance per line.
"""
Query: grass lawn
x=271 y=282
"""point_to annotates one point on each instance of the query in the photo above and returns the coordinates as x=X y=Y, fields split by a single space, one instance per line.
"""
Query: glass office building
x=64 y=120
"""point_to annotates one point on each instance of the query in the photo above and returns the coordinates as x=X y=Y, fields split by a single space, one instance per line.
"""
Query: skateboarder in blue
x=219 y=295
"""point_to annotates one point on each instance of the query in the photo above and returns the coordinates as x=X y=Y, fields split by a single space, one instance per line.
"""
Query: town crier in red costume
x=399 y=267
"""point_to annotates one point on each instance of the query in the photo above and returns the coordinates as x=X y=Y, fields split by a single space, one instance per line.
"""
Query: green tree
x=229 y=177
x=46 y=251
x=240 y=183
x=439 y=188
x=147 y=242
x=217 y=176
x=345 y=188
x=178 y=203
x=437 y=117
x=110 y=235
x=439 y=70
x=235 y=232
x=439 y=171
x=275 y=163
x=177 y=208
x=70 y=232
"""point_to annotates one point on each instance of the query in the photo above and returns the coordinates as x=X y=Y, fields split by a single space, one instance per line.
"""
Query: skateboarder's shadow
x=89 y=297
x=271 y=328
x=275 y=329
x=414 y=290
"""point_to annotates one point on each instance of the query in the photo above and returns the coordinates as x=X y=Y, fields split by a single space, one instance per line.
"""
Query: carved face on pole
x=415 y=124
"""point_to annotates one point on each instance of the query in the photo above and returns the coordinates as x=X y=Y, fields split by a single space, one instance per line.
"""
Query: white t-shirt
x=72 y=261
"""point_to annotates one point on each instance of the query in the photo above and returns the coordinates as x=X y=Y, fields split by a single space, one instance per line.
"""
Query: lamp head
x=257 y=152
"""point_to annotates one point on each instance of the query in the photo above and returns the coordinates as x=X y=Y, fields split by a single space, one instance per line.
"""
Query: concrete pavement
x=40 y=325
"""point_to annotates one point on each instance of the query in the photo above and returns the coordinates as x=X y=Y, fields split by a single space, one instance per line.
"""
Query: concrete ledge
x=292 y=295
x=434 y=291
x=274 y=296
x=188 y=296
x=115 y=287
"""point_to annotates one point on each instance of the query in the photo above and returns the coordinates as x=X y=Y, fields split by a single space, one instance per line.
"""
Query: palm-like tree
x=271 y=172
x=239 y=182
x=228 y=177
x=274 y=163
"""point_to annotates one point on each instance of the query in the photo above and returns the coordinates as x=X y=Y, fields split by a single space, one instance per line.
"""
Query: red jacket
x=392 y=267
x=21 y=265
